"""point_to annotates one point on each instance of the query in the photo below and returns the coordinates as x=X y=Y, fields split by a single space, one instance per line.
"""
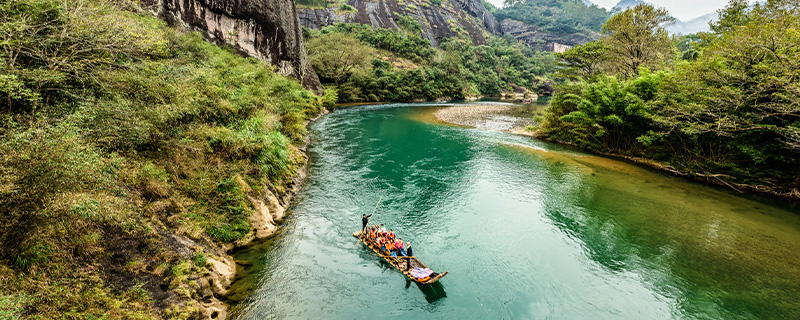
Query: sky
x=681 y=9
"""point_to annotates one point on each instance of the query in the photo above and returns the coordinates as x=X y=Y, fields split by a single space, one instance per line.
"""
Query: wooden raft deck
x=400 y=263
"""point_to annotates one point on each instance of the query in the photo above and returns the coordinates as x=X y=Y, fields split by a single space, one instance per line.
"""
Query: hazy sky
x=681 y=9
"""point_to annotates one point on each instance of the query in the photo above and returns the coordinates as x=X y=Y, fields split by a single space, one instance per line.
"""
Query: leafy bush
x=346 y=7
x=200 y=259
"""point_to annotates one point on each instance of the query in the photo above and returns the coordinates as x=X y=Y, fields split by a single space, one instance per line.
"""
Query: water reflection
x=692 y=243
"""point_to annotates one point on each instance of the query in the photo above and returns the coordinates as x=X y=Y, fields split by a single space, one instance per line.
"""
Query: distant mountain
x=624 y=4
x=699 y=24
x=695 y=25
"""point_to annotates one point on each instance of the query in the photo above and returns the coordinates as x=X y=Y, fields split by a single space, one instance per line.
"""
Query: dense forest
x=118 y=132
x=362 y=63
x=560 y=17
x=722 y=106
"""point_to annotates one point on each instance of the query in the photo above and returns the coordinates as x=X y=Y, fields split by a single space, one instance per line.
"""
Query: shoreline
x=469 y=116
x=270 y=209
x=483 y=116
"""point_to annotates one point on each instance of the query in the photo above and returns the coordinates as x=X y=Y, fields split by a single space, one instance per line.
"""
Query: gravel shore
x=485 y=116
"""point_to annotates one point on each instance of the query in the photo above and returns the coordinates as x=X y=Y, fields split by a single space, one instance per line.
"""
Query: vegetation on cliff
x=119 y=137
x=727 y=111
x=559 y=17
x=408 y=68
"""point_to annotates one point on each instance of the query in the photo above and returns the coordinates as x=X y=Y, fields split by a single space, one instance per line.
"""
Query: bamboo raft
x=400 y=263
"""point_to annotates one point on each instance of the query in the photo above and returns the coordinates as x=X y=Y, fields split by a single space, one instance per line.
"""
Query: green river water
x=527 y=229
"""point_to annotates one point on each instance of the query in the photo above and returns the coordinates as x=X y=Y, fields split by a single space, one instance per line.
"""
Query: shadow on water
x=433 y=292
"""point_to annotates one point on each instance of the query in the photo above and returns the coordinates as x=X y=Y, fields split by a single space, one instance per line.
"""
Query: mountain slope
x=439 y=18
x=552 y=25
x=699 y=24
x=624 y=4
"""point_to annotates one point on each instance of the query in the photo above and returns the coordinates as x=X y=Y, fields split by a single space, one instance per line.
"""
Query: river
x=527 y=229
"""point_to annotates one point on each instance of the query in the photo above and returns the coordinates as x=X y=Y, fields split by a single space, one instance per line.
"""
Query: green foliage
x=604 y=115
x=637 y=38
x=560 y=17
x=336 y=56
x=735 y=15
x=313 y=3
x=116 y=127
x=31 y=256
x=689 y=46
x=329 y=97
x=583 y=62
x=729 y=113
x=458 y=69
x=346 y=7
x=181 y=269
x=407 y=45
x=408 y=23
x=200 y=259
x=12 y=306
x=489 y=7
x=138 y=293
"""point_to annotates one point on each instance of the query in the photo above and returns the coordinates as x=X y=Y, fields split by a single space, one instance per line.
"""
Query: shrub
x=346 y=7
x=199 y=259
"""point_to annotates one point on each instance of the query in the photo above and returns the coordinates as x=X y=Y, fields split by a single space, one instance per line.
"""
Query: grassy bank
x=129 y=151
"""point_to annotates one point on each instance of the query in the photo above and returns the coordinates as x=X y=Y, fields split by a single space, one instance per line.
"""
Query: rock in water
x=266 y=29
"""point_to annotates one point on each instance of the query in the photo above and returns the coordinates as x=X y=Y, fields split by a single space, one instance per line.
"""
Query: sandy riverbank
x=495 y=116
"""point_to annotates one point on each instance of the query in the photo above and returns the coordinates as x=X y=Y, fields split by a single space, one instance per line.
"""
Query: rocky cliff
x=266 y=29
x=439 y=19
x=532 y=36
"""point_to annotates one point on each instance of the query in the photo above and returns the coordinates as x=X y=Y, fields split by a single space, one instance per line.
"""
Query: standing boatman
x=365 y=221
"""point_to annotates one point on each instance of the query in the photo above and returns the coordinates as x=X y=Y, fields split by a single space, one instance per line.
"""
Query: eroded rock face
x=532 y=36
x=266 y=29
x=438 y=21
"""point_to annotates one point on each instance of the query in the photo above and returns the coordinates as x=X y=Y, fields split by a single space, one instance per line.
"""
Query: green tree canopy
x=556 y=16
x=637 y=38
x=583 y=62
x=730 y=114
x=337 y=56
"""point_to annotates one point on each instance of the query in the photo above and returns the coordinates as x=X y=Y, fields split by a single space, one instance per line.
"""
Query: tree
x=737 y=109
x=637 y=38
x=734 y=15
x=745 y=83
x=582 y=62
x=336 y=56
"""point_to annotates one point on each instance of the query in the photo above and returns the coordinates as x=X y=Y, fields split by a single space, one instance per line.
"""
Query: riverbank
x=486 y=117
x=126 y=186
x=270 y=210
